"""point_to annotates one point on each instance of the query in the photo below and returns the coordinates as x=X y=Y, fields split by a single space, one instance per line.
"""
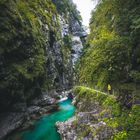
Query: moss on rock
x=112 y=120
x=22 y=49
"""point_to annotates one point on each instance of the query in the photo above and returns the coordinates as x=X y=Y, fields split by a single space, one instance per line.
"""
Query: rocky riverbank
x=100 y=116
x=21 y=116
x=84 y=126
x=23 y=119
x=88 y=123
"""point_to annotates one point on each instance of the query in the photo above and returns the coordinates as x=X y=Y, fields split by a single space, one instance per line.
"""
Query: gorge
x=46 y=56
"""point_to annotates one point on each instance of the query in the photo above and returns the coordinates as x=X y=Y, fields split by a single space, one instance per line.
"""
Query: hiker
x=109 y=89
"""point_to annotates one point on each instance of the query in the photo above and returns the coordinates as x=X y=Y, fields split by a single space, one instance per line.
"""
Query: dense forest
x=112 y=56
x=46 y=55
x=112 y=53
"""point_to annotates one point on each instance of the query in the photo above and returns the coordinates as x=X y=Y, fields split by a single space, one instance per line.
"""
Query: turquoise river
x=45 y=127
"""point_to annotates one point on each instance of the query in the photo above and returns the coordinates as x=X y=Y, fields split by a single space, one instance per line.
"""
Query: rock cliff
x=37 y=54
x=36 y=51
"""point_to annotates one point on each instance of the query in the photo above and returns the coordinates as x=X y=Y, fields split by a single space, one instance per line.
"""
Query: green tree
x=113 y=56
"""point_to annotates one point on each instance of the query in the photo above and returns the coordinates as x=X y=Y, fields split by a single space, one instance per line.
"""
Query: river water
x=45 y=127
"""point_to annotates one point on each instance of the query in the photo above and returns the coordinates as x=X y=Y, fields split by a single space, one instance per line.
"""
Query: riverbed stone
x=86 y=124
x=10 y=122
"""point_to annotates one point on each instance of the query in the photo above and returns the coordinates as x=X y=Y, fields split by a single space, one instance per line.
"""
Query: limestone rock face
x=88 y=122
x=36 y=52
x=77 y=47
x=36 y=57
x=10 y=122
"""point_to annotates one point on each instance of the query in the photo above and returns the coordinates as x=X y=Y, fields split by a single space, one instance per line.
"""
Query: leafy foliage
x=125 y=121
x=33 y=54
x=22 y=49
x=113 y=55
x=64 y=6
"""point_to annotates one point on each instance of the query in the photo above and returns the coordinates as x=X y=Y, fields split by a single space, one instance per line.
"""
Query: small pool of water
x=45 y=127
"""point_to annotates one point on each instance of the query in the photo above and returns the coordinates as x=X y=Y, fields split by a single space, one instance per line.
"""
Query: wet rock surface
x=65 y=129
x=87 y=124
x=9 y=122
x=22 y=117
